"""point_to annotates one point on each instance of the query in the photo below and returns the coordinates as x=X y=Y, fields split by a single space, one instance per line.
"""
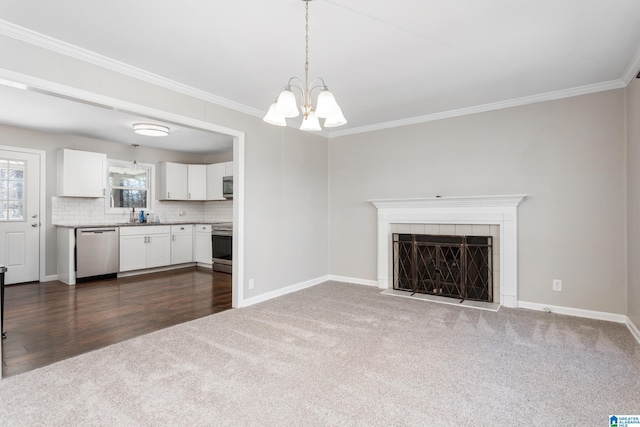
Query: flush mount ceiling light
x=148 y=129
x=286 y=105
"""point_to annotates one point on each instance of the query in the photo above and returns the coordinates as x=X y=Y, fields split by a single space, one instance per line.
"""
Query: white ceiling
x=49 y=113
x=386 y=62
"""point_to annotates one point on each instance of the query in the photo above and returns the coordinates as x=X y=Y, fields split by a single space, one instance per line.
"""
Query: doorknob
x=34 y=224
x=34 y=216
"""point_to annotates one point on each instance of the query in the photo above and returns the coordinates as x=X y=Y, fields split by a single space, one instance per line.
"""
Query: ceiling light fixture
x=285 y=105
x=148 y=129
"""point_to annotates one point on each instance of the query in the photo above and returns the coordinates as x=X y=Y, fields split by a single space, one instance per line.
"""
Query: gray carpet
x=343 y=355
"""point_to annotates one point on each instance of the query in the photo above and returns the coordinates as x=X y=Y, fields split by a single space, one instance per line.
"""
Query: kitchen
x=61 y=213
x=168 y=237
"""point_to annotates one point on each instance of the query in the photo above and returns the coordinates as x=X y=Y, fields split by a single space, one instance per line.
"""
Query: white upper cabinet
x=215 y=172
x=182 y=182
x=197 y=182
x=81 y=173
x=173 y=181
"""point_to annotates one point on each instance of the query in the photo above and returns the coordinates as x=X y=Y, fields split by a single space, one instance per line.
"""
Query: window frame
x=151 y=171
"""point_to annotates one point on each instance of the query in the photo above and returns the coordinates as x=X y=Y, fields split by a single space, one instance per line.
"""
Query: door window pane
x=12 y=189
x=16 y=211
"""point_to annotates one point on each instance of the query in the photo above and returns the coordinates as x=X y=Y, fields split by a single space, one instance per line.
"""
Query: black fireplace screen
x=452 y=266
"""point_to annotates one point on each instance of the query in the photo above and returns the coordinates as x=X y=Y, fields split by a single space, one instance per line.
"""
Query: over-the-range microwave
x=227 y=187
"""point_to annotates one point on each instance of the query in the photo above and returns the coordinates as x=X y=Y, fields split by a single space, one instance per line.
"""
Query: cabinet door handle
x=168 y=195
x=189 y=196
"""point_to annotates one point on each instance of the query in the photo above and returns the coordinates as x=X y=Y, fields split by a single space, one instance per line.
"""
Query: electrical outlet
x=557 y=285
x=251 y=283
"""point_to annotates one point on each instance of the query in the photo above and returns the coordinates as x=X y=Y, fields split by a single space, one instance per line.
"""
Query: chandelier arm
x=295 y=82
x=313 y=85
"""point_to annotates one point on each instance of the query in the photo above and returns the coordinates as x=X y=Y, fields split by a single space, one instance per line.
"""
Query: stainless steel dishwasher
x=97 y=251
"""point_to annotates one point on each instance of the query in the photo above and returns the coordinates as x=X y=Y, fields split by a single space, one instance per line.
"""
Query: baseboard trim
x=633 y=329
x=51 y=278
x=570 y=311
x=284 y=291
x=353 y=280
x=155 y=269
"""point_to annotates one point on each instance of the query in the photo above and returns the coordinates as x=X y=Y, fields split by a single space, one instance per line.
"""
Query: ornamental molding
x=501 y=201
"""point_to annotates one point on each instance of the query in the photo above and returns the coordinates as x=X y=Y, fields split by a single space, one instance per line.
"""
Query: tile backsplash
x=82 y=211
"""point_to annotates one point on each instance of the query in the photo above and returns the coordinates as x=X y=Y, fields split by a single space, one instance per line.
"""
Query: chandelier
x=286 y=105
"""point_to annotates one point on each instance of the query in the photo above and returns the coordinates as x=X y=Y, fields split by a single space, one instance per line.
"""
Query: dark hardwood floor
x=48 y=322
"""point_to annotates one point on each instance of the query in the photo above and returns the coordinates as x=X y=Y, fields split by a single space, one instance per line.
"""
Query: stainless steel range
x=222 y=246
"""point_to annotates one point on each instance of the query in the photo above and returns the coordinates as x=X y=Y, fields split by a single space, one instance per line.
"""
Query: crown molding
x=517 y=102
x=632 y=68
x=28 y=36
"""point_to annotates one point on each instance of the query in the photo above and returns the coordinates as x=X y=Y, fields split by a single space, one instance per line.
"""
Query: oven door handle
x=219 y=232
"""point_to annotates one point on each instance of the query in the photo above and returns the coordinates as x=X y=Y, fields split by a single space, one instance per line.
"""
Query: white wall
x=286 y=173
x=567 y=155
x=633 y=200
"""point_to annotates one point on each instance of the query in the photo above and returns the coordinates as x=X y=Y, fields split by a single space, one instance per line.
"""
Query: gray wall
x=286 y=172
x=633 y=200
x=568 y=156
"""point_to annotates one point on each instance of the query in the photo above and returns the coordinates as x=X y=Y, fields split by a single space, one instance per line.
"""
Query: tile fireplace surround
x=466 y=210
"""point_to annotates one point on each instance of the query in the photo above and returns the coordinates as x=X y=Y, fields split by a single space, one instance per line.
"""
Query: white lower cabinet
x=144 y=247
x=181 y=244
x=202 y=244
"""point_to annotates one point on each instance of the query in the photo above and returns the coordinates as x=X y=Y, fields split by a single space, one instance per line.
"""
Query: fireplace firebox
x=451 y=266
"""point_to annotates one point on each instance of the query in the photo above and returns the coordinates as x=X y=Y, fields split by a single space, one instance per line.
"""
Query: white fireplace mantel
x=492 y=210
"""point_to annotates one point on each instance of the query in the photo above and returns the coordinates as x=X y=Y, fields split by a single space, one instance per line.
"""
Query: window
x=12 y=175
x=130 y=185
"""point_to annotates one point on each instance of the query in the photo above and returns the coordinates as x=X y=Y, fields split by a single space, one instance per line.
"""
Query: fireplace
x=495 y=211
x=450 y=266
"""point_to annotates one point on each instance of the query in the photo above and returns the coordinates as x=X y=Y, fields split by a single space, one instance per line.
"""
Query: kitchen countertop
x=136 y=224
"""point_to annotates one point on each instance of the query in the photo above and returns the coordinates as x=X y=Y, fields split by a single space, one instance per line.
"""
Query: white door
x=20 y=216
